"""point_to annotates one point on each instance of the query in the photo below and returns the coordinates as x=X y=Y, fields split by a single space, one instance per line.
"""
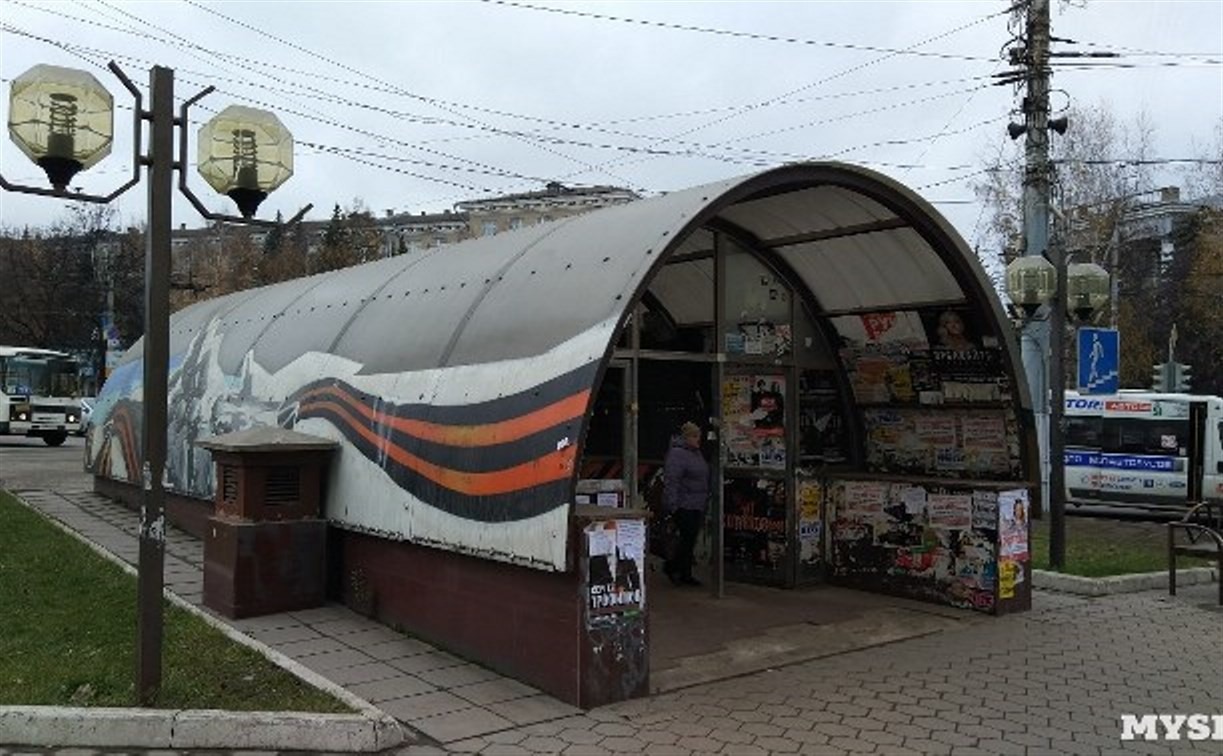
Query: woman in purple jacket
x=685 y=496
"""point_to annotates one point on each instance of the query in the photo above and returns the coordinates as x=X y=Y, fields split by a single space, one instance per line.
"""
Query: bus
x=1129 y=452
x=40 y=394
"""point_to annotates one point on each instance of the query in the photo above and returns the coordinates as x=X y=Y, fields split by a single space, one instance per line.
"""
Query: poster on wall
x=760 y=338
x=1013 y=524
x=821 y=421
x=754 y=527
x=615 y=583
x=753 y=410
x=965 y=364
x=810 y=522
x=930 y=357
x=961 y=442
x=923 y=542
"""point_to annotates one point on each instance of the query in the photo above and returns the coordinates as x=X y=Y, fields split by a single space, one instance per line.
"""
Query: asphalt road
x=29 y=463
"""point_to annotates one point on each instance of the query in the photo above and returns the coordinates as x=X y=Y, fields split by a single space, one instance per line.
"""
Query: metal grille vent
x=229 y=484
x=283 y=486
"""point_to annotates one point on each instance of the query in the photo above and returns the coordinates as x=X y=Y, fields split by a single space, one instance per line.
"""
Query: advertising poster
x=984 y=510
x=810 y=521
x=865 y=497
x=984 y=432
x=821 y=425
x=760 y=338
x=754 y=526
x=1010 y=573
x=1013 y=524
x=753 y=409
x=936 y=429
x=901 y=327
x=924 y=441
x=949 y=511
x=615 y=584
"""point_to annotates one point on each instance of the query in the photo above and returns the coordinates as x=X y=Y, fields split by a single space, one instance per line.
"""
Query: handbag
x=664 y=538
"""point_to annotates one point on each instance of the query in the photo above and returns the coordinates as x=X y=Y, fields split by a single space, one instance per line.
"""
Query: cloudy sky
x=413 y=106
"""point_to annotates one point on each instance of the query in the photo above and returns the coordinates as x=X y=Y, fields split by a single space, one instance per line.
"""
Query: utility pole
x=1035 y=337
x=160 y=162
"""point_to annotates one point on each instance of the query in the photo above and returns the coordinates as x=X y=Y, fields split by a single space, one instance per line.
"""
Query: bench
x=1204 y=541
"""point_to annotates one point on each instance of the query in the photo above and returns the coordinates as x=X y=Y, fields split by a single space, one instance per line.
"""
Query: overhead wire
x=593 y=168
x=431 y=101
x=317 y=115
x=695 y=149
x=357 y=155
x=370 y=159
x=293 y=86
x=832 y=77
x=729 y=32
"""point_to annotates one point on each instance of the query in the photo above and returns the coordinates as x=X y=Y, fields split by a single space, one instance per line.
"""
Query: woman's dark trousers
x=688 y=523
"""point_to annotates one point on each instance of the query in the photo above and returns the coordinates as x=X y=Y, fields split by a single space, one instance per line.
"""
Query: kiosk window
x=757 y=313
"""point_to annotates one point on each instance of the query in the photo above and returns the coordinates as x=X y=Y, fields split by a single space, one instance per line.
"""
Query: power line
x=435 y=103
x=847 y=116
x=1136 y=51
x=694 y=149
x=794 y=101
x=320 y=117
x=1140 y=161
x=293 y=87
x=840 y=74
x=731 y=32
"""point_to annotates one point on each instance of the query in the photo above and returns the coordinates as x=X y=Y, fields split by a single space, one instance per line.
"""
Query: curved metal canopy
x=464 y=373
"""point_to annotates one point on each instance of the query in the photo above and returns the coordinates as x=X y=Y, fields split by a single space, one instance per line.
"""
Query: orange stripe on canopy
x=546 y=469
x=468 y=436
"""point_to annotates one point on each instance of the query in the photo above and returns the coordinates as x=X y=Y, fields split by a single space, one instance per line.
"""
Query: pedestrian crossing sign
x=1099 y=361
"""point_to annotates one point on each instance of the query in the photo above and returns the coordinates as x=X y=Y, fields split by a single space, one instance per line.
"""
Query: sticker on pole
x=1099 y=361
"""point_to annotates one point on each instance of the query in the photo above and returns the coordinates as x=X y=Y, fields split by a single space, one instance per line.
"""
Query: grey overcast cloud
x=413 y=106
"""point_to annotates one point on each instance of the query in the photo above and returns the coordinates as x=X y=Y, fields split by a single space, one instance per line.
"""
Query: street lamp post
x=62 y=119
x=1035 y=284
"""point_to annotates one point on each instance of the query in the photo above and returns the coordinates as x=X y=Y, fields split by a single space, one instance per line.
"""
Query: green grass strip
x=68 y=635
x=1098 y=549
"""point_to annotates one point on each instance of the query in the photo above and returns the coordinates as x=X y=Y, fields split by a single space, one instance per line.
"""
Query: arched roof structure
x=464 y=374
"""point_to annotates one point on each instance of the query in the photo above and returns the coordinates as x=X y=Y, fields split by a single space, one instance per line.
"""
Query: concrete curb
x=1108 y=586
x=62 y=726
x=367 y=731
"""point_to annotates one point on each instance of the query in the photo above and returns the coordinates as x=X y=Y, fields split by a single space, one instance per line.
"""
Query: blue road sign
x=1099 y=361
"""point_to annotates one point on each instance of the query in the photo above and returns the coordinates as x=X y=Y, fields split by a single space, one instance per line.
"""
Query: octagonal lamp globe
x=62 y=119
x=1087 y=289
x=245 y=153
x=1031 y=282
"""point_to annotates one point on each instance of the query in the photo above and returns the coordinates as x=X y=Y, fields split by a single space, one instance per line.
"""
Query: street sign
x=1099 y=361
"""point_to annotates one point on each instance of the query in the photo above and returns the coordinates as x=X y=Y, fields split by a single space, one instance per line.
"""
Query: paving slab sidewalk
x=437 y=694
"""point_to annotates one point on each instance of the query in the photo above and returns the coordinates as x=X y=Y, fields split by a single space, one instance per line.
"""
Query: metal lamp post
x=1082 y=289
x=62 y=119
